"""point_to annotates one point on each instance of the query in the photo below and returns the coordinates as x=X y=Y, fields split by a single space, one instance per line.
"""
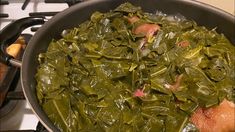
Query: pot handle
x=11 y=32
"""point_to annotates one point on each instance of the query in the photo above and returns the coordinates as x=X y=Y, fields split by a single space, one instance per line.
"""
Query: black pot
x=203 y=14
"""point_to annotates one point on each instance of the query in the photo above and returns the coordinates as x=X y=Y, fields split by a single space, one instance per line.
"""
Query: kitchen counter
x=226 y=5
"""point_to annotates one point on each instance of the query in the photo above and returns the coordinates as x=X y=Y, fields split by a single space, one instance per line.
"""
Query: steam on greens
x=102 y=76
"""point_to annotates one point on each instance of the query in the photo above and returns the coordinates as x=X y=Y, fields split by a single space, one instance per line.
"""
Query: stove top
x=16 y=9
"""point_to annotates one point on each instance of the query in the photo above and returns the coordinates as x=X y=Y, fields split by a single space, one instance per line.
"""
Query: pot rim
x=25 y=64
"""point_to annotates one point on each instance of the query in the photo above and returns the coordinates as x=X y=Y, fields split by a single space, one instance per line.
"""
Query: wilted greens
x=105 y=76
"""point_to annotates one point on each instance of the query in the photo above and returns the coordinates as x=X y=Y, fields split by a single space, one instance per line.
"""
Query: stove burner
x=10 y=87
x=8 y=84
x=9 y=104
x=3 y=15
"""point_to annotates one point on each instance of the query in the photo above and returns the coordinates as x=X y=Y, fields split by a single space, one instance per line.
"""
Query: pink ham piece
x=146 y=29
x=133 y=19
x=176 y=85
x=183 y=43
x=216 y=119
x=139 y=93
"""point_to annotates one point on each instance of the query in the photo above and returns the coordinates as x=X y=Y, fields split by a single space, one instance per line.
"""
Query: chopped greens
x=115 y=73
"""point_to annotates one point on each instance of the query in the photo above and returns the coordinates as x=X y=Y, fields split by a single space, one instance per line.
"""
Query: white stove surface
x=15 y=12
x=22 y=117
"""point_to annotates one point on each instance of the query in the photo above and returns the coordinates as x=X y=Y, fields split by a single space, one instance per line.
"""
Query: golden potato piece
x=14 y=49
x=20 y=40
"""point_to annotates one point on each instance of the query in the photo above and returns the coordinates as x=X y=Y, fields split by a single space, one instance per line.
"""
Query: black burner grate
x=4 y=15
x=69 y=2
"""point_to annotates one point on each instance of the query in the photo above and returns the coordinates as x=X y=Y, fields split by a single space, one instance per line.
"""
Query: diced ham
x=146 y=29
x=184 y=43
x=133 y=19
x=216 y=119
x=176 y=85
x=20 y=40
x=139 y=93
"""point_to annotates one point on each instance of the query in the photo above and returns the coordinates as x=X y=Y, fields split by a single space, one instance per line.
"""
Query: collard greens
x=101 y=76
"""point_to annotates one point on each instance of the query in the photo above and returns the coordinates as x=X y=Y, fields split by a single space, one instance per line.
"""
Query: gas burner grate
x=69 y=2
x=43 y=13
x=4 y=15
x=4 y=3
